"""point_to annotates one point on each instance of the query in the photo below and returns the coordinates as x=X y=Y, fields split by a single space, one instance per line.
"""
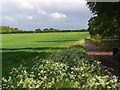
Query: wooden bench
x=116 y=50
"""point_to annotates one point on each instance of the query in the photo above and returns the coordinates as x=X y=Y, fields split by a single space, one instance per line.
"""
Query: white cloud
x=57 y=15
x=42 y=12
x=44 y=0
x=46 y=13
x=30 y=17
x=39 y=10
x=24 y=5
x=9 y=19
x=29 y=4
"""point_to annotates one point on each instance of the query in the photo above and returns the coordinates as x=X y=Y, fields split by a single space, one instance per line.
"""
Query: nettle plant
x=70 y=68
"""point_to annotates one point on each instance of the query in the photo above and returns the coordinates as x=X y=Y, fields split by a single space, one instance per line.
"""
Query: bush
x=96 y=39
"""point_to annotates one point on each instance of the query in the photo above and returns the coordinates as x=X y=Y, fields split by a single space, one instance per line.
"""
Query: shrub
x=96 y=39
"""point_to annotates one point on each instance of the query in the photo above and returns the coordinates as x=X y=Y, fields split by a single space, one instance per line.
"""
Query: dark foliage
x=106 y=21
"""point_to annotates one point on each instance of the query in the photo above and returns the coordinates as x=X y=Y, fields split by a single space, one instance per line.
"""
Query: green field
x=19 y=48
x=51 y=60
x=41 y=40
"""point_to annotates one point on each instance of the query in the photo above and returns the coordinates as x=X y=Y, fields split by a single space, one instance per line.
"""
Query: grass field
x=19 y=48
x=41 y=40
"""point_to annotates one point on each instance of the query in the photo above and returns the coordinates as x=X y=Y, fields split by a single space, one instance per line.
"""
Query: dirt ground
x=105 y=56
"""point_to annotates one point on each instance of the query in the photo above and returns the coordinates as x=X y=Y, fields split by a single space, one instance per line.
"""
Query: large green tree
x=106 y=21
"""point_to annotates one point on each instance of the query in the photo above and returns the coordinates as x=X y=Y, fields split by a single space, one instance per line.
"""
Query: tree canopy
x=106 y=21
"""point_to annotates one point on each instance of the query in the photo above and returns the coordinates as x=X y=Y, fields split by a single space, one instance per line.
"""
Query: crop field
x=51 y=60
x=69 y=68
x=41 y=40
x=19 y=48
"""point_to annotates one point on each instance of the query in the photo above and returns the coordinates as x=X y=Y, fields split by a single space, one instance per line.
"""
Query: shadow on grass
x=33 y=48
x=16 y=58
x=58 y=41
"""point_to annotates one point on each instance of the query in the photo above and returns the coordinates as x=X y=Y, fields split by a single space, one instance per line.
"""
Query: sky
x=59 y=14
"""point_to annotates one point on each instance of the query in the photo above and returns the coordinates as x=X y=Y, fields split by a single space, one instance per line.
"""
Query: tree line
x=106 y=19
x=10 y=30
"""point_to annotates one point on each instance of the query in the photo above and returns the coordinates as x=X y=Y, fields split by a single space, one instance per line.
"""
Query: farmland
x=37 y=40
x=19 y=48
x=56 y=46
x=51 y=60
